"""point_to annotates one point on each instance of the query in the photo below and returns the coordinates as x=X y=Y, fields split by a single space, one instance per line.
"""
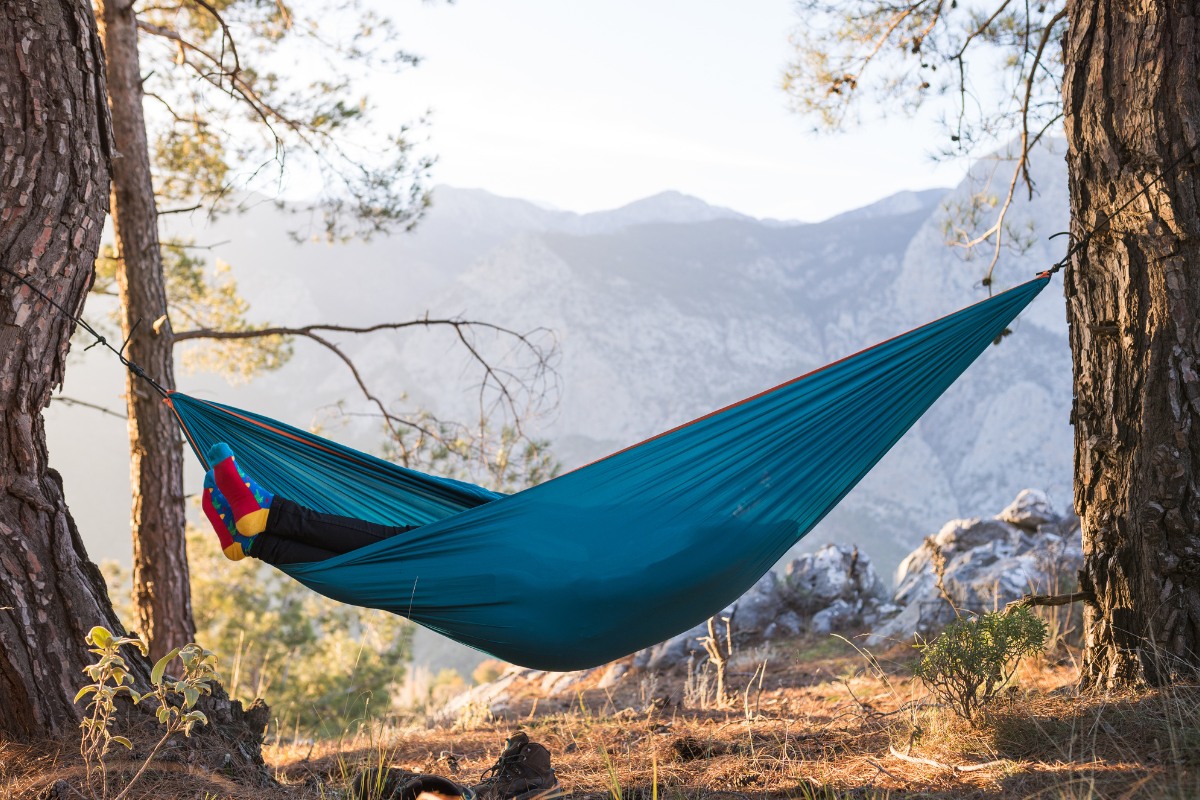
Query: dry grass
x=825 y=725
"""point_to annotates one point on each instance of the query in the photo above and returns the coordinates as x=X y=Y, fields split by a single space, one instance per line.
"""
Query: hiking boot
x=522 y=772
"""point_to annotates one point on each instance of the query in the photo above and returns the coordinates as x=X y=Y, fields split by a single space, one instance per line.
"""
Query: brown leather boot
x=522 y=772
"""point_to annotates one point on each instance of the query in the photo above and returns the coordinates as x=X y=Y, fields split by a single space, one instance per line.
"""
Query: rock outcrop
x=1027 y=548
x=834 y=589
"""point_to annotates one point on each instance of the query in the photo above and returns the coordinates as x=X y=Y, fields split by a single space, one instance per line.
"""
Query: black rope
x=136 y=369
x=1076 y=246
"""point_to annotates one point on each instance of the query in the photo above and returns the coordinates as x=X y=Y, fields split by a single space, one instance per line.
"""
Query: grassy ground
x=803 y=720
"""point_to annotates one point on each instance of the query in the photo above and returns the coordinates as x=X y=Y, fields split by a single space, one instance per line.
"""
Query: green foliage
x=905 y=53
x=974 y=658
x=321 y=665
x=204 y=299
x=227 y=108
x=191 y=162
x=207 y=300
x=111 y=677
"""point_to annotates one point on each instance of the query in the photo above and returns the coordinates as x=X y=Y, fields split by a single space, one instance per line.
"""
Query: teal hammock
x=629 y=550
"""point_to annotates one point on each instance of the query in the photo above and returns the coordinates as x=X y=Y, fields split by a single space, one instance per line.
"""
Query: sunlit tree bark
x=54 y=155
x=1133 y=300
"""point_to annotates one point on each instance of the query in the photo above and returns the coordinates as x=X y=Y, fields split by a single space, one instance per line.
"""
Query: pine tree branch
x=982 y=29
x=1020 y=171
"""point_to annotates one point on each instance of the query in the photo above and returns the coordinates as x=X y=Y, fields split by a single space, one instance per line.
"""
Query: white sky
x=590 y=104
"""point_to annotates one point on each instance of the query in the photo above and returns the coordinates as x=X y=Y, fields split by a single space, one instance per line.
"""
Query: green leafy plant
x=111 y=677
x=974 y=658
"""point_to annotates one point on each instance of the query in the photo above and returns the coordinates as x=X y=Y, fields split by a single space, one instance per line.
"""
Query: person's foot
x=216 y=508
x=249 y=501
x=522 y=772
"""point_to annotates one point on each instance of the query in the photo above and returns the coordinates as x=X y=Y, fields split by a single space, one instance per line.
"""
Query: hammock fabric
x=631 y=549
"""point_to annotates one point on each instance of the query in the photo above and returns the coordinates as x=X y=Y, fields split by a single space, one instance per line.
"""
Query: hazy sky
x=589 y=104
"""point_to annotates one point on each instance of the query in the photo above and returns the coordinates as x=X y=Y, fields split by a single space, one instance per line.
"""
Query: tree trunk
x=1132 y=109
x=161 y=591
x=55 y=149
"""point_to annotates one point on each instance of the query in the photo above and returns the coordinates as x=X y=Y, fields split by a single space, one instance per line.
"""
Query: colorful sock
x=249 y=501
x=216 y=508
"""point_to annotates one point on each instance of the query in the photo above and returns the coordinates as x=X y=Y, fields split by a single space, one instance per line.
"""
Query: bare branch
x=71 y=401
x=226 y=36
x=1049 y=600
x=937 y=560
x=165 y=104
x=389 y=419
x=191 y=246
x=494 y=378
x=237 y=87
x=164 y=211
x=307 y=330
x=1021 y=167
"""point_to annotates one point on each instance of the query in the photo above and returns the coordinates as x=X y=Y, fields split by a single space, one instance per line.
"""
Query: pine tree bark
x=54 y=156
x=161 y=590
x=1132 y=108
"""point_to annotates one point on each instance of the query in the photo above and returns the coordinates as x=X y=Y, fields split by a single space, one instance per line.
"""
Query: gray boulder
x=1030 y=510
x=838 y=616
x=789 y=623
x=1026 y=549
x=814 y=581
x=759 y=607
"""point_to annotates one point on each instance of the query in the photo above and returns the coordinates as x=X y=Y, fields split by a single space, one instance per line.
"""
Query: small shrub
x=973 y=659
x=176 y=698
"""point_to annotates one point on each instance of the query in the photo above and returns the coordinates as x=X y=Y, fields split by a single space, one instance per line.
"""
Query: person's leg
x=325 y=531
x=268 y=547
x=256 y=511
x=277 y=550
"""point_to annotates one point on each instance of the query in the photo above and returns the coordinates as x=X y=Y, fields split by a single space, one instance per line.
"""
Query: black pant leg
x=328 y=532
x=276 y=550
